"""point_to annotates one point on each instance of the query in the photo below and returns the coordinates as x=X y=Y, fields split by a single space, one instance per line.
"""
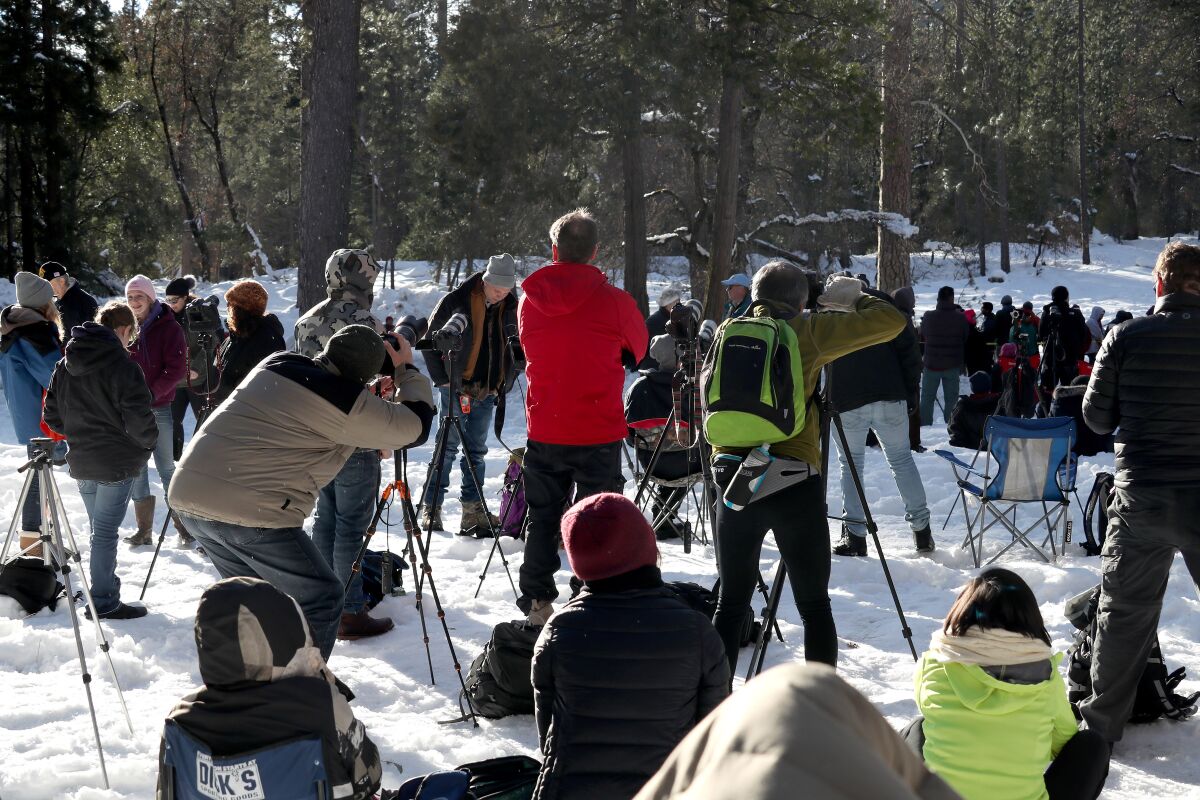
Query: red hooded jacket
x=574 y=327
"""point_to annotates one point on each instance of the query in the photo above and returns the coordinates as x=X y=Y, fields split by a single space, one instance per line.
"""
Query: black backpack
x=31 y=583
x=1156 y=695
x=499 y=682
x=1095 y=510
x=705 y=601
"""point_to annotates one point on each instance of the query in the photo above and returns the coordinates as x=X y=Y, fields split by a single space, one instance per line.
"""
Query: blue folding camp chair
x=1033 y=464
x=293 y=770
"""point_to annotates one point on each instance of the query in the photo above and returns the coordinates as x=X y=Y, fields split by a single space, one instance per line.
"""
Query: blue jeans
x=930 y=379
x=31 y=511
x=344 y=510
x=106 y=504
x=284 y=557
x=889 y=420
x=475 y=430
x=164 y=456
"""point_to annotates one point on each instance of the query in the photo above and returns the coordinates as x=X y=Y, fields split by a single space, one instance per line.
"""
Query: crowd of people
x=630 y=682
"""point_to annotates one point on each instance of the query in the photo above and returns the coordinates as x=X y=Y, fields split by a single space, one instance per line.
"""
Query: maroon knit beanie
x=605 y=535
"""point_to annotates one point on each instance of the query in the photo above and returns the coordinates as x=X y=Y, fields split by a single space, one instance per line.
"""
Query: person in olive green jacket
x=994 y=704
x=796 y=514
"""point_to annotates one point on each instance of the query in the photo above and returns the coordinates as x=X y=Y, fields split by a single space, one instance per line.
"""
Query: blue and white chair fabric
x=1027 y=461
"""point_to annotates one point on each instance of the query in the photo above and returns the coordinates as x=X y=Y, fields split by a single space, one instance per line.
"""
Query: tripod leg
x=762 y=589
x=873 y=529
x=162 y=535
x=637 y=499
x=768 y=622
x=58 y=516
x=15 y=525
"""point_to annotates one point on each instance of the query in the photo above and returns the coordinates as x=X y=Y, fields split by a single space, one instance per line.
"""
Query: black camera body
x=202 y=316
x=684 y=324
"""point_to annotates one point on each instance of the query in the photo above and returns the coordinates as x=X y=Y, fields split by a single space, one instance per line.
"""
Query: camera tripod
x=56 y=555
x=205 y=339
x=830 y=418
x=451 y=419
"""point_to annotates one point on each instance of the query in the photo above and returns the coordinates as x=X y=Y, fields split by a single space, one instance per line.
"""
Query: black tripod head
x=43 y=453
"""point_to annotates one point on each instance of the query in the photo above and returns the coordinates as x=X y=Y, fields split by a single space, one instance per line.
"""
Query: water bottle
x=748 y=478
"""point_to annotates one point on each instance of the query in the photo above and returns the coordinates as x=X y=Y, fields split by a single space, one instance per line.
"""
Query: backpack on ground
x=498 y=682
x=30 y=582
x=753 y=383
x=372 y=576
x=512 y=500
x=504 y=778
x=1156 y=696
x=1095 y=514
x=705 y=601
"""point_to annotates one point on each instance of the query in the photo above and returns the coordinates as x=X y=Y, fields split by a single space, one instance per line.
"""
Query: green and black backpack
x=753 y=383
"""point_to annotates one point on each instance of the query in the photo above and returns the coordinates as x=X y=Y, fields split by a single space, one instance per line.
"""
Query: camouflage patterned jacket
x=350 y=277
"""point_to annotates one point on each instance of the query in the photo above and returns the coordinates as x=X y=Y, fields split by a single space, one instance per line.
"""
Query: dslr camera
x=449 y=339
x=202 y=316
x=411 y=329
x=688 y=326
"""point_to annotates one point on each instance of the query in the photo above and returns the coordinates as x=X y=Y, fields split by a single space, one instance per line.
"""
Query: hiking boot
x=850 y=545
x=924 y=540
x=431 y=519
x=362 y=626
x=185 y=538
x=122 y=611
x=475 y=519
x=143 y=512
x=539 y=612
x=32 y=540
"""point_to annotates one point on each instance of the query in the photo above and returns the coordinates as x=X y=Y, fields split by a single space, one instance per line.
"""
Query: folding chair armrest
x=957 y=462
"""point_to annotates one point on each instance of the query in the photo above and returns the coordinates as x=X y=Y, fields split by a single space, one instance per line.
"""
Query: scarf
x=988 y=646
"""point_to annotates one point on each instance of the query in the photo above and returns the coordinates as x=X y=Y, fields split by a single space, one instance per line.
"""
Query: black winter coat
x=98 y=399
x=493 y=372
x=76 y=307
x=968 y=417
x=1146 y=387
x=240 y=354
x=944 y=331
x=882 y=372
x=619 y=678
x=1073 y=331
x=1068 y=402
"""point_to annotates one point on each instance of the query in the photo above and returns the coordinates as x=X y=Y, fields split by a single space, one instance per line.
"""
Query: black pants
x=1077 y=773
x=550 y=470
x=797 y=517
x=179 y=406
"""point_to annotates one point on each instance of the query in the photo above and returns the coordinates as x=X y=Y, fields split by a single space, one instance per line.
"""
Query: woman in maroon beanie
x=623 y=671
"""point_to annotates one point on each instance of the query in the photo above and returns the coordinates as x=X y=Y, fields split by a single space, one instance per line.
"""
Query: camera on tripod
x=684 y=324
x=202 y=316
x=450 y=338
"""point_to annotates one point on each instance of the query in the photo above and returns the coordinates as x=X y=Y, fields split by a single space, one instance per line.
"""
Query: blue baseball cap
x=741 y=279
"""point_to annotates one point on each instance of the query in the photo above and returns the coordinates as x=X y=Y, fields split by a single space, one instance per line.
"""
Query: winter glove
x=841 y=293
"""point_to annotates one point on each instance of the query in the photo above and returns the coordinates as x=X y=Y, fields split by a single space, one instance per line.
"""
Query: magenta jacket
x=161 y=352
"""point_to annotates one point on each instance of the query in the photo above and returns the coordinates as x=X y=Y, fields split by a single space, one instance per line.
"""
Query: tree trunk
x=1002 y=197
x=1132 y=228
x=54 y=234
x=729 y=129
x=1085 y=229
x=330 y=90
x=895 y=148
x=981 y=226
x=10 y=205
x=631 y=162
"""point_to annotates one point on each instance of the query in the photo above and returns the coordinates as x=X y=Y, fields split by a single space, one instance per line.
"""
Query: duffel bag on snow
x=753 y=384
x=498 y=682
x=1156 y=696
x=31 y=583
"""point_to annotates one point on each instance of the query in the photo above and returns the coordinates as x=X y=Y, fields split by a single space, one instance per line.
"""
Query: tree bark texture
x=1085 y=227
x=631 y=162
x=729 y=130
x=330 y=89
x=895 y=145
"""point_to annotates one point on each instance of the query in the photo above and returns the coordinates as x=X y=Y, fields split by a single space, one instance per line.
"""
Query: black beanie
x=180 y=287
x=356 y=351
x=1059 y=294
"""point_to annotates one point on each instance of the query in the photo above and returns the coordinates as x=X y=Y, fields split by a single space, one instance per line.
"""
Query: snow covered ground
x=47 y=738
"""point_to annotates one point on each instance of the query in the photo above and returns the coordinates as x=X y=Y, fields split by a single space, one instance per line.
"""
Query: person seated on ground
x=1019 y=395
x=971 y=412
x=253 y=335
x=993 y=703
x=797 y=730
x=266 y=684
x=1068 y=402
x=622 y=672
x=99 y=400
x=648 y=404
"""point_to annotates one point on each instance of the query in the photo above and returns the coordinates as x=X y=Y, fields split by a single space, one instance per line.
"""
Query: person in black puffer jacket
x=1145 y=387
x=623 y=671
x=1068 y=402
x=253 y=335
x=971 y=412
x=99 y=400
x=944 y=331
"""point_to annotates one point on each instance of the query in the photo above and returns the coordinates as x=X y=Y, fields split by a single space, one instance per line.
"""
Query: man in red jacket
x=579 y=334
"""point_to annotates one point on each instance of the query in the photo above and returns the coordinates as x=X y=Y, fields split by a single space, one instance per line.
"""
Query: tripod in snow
x=829 y=416
x=56 y=555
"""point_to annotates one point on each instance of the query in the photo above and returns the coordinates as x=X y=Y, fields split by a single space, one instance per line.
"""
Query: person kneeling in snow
x=623 y=671
x=994 y=705
x=265 y=684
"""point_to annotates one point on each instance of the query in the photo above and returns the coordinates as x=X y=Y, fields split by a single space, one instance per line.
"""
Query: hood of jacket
x=1097 y=313
x=984 y=693
x=18 y=321
x=561 y=287
x=351 y=278
x=249 y=633
x=906 y=301
x=93 y=346
x=1070 y=391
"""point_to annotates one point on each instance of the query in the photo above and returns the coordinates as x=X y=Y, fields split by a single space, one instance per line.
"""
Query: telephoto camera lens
x=450 y=337
x=685 y=320
x=412 y=328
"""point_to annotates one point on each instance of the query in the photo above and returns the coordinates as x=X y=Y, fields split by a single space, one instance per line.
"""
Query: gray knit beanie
x=33 y=292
